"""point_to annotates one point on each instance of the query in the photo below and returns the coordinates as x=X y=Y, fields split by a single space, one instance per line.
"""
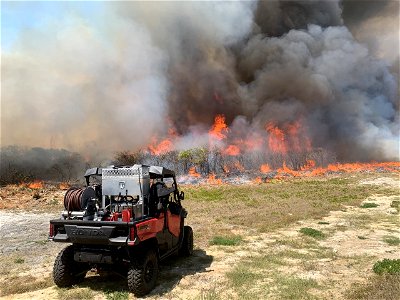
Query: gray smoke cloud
x=151 y=66
x=82 y=87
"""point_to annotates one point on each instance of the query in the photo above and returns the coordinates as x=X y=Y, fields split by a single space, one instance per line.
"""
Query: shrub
x=312 y=232
x=369 y=205
x=389 y=266
x=19 y=260
x=226 y=240
x=391 y=240
x=128 y=158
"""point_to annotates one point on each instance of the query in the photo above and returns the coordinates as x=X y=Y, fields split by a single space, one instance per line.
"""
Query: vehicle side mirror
x=182 y=196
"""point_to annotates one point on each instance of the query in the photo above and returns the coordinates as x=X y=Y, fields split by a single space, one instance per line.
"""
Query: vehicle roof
x=161 y=171
x=155 y=171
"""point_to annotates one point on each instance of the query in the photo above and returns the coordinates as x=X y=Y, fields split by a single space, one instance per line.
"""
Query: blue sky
x=24 y=15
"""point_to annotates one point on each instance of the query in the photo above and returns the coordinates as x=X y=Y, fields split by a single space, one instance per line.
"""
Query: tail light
x=132 y=235
x=51 y=231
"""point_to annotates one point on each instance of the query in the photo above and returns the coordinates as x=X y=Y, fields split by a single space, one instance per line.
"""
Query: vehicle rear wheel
x=143 y=274
x=66 y=271
x=187 y=243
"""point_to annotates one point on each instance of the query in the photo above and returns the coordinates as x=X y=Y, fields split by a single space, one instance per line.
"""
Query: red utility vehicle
x=127 y=222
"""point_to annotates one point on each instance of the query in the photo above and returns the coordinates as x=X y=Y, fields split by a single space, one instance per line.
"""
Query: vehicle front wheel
x=66 y=271
x=187 y=243
x=143 y=274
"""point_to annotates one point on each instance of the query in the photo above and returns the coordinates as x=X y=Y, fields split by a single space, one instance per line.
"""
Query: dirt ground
x=328 y=268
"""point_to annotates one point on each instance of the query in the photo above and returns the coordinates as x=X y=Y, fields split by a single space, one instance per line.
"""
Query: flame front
x=285 y=150
x=265 y=168
x=193 y=172
x=232 y=150
x=37 y=184
x=219 y=129
x=276 y=139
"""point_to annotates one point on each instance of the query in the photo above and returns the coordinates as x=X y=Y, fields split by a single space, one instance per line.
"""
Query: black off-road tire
x=143 y=274
x=187 y=243
x=66 y=271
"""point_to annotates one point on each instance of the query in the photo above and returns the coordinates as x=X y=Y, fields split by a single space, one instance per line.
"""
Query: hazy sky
x=17 y=16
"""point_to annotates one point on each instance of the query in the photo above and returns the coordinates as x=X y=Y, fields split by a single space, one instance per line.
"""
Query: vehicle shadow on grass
x=172 y=271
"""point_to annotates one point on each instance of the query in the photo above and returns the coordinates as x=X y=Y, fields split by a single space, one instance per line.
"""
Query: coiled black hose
x=76 y=199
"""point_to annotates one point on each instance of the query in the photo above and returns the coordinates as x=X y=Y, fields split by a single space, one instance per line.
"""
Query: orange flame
x=253 y=142
x=37 y=184
x=265 y=168
x=310 y=164
x=64 y=186
x=165 y=145
x=219 y=128
x=276 y=139
x=232 y=150
x=310 y=169
x=286 y=170
x=193 y=173
x=257 y=180
x=162 y=147
x=212 y=180
x=291 y=137
x=238 y=166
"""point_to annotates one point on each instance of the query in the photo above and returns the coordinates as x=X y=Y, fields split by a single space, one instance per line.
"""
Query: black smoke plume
x=97 y=88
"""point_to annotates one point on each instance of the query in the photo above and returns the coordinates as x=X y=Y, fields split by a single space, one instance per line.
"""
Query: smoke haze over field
x=134 y=70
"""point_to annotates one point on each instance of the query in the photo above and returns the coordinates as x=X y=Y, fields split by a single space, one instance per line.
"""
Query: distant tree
x=128 y=158
x=194 y=157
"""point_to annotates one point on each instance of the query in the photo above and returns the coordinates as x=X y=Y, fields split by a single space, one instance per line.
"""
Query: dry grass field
x=301 y=238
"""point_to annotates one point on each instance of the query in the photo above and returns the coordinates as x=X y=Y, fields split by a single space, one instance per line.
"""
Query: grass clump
x=369 y=205
x=211 y=294
x=241 y=276
x=23 y=284
x=312 y=233
x=226 y=240
x=387 y=266
x=75 y=293
x=323 y=223
x=391 y=240
x=377 y=287
x=19 y=260
x=116 y=295
x=395 y=204
x=291 y=287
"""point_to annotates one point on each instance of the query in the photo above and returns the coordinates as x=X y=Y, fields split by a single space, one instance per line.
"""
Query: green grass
x=242 y=276
x=291 y=287
x=323 y=223
x=42 y=242
x=248 y=275
x=267 y=207
x=116 y=295
x=369 y=205
x=226 y=240
x=19 y=260
x=387 y=266
x=312 y=233
x=391 y=240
